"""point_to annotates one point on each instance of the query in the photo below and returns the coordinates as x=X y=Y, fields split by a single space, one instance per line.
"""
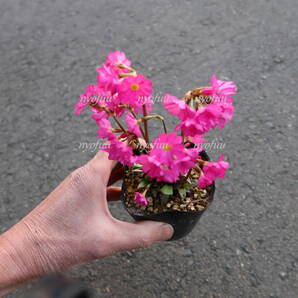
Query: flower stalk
x=145 y=124
x=155 y=116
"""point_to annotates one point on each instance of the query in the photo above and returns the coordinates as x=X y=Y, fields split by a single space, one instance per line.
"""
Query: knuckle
x=78 y=179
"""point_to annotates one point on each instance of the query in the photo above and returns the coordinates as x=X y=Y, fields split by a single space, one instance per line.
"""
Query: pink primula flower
x=227 y=113
x=155 y=169
x=213 y=170
x=187 y=162
x=113 y=104
x=197 y=123
x=177 y=107
x=134 y=90
x=80 y=106
x=167 y=147
x=116 y=58
x=168 y=158
x=97 y=116
x=105 y=130
x=92 y=94
x=119 y=151
x=132 y=124
x=220 y=91
x=217 y=113
x=197 y=141
x=140 y=199
x=108 y=74
x=107 y=78
x=191 y=126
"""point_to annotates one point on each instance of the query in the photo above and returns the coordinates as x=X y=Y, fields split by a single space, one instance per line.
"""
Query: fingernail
x=167 y=232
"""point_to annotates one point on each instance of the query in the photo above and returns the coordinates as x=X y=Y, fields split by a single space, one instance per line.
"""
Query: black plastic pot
x=182 y=222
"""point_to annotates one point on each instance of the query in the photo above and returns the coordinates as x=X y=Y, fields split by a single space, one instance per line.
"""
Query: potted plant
x=169 y=178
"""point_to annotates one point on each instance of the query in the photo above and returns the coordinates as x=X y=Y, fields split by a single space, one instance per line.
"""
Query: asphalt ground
x=246 y=243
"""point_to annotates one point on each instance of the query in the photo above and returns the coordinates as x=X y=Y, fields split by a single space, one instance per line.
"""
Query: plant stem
x=127 y=106
x=145 y=124
x=119 y=123
x=109 y=112
x=188 y=174
x=132 y=72
x=100 y=108
x=164 y=125
x=157 y=116
x=182 y=135
x=147 y=188
x=198 y=170
x=202 y=162
x=141 y=129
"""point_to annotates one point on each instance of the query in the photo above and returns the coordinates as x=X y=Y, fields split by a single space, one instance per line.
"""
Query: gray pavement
x=246 y=244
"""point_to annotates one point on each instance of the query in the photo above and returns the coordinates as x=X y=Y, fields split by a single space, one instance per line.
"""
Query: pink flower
x=206 y=118
x=108 y=74
x=98 y=116
x=167 y=147
x=116 y=58
x=132 y=124
x=217 y=113
x=140 y=199
x=108 y=78
x=105 y=130
x=196 y=141
x=213 y=170
x=197 y=123
x=80 y=106
x=134 y=89
x=188 y=161
x=91 y=95
x=220 y=91
x=119 y=151
x=227 y=113
x=193 y=123
x=176 y=106
x=155 y=169
x=191 y=126
x=113 y=105
x=168 y=158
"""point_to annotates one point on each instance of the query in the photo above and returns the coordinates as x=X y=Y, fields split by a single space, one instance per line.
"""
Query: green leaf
x=143 y=183
x=137 y=166
x=182 y=192
x=187 y=185
x=167 y=189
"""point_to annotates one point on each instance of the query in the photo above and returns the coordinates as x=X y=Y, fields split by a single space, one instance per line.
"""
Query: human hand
x=73 y=225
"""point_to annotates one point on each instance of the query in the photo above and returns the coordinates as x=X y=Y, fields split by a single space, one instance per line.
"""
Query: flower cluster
x=196 y=118
x=168 y=158
x=122 y=95
x=117 y=85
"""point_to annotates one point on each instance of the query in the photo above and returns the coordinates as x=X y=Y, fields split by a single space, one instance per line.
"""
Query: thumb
x=103 y=165
x=143 y=234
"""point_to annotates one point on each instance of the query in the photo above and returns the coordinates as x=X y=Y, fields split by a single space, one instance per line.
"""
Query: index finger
x=116 y=174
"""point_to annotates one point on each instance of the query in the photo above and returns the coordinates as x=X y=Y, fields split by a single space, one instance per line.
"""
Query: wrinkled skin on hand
x=73 y=224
